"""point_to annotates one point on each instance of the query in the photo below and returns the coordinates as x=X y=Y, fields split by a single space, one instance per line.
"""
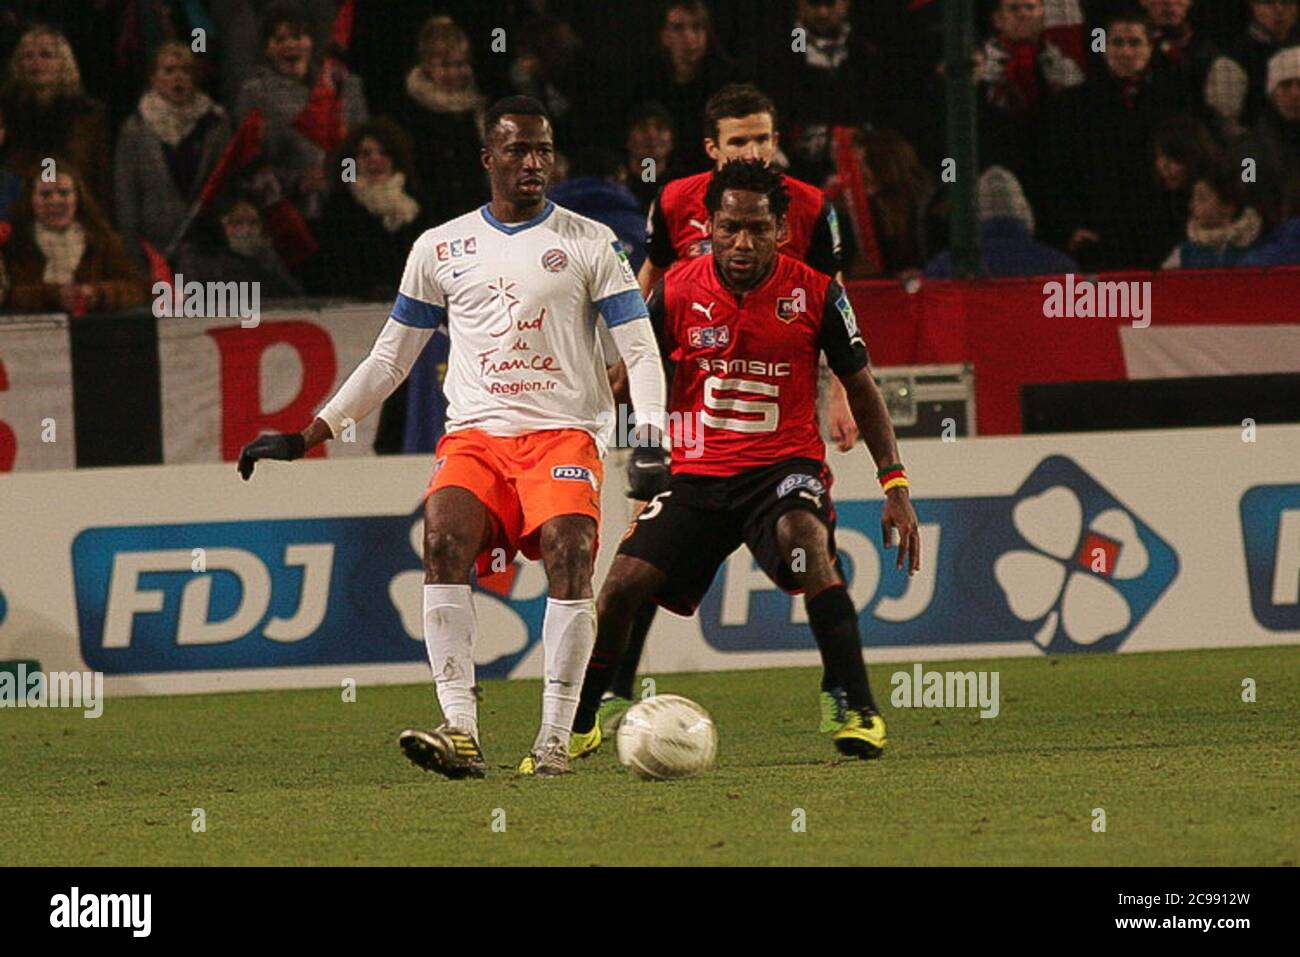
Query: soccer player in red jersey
x=740 y=123
x=744 y=327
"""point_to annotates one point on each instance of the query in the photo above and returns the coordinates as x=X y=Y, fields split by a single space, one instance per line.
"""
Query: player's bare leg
x=629 y=587
x=568 y=548
x=805 y=538
x=456 y=528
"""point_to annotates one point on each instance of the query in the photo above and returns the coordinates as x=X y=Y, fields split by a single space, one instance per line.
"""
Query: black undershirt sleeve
x=659 y=242
x=846 y=352
x=824 y=250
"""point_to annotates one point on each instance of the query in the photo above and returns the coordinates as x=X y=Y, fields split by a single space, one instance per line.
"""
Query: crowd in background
x=1172 y=142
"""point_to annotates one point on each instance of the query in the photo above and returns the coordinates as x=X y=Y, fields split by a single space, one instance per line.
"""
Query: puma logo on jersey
x=702 y=227
x=707 y=310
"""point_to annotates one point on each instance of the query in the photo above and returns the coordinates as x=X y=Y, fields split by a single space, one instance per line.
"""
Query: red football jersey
x=744 y=388
x=679 y=224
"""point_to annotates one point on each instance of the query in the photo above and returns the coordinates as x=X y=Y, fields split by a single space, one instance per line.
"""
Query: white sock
x=568 y=635
x=450 y=627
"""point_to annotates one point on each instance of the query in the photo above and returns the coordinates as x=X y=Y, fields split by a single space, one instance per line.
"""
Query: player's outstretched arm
x=872 y=417
x=382 y=371
x=283 y=446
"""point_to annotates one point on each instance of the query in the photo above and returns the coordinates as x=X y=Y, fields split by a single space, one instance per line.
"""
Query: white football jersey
x=521 y=303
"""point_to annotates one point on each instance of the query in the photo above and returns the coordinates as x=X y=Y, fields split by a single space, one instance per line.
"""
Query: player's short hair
x=517 y=105
x=751 y=175
x=734 y=101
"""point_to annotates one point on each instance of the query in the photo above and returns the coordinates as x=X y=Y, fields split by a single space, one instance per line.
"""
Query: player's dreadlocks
x=752 y=175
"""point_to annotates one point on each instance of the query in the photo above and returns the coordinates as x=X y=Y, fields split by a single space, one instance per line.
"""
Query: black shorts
x=690 y=530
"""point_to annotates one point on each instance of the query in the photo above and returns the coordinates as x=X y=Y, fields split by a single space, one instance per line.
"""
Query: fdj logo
x=574 y=473
x=1061 y=563
x=276 y=594
x=1270 y=528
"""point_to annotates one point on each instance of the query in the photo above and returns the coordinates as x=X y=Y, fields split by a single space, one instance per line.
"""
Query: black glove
x=285 y=446
x=647 y=472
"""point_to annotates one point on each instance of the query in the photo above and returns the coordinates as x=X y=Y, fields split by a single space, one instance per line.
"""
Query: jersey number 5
x=770 y=411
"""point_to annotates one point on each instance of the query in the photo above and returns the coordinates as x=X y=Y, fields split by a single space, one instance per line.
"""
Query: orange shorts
x=524 y=481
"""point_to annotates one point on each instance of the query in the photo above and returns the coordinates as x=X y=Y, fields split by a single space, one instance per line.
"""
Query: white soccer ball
x=667 y=736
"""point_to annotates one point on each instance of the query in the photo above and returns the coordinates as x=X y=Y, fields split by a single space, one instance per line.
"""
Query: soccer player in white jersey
x=520 y=284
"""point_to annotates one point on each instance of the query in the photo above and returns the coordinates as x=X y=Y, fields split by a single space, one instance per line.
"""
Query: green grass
x=1186 y=772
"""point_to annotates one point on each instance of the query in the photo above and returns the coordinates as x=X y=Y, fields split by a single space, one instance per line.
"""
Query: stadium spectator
x=1018 y=74
x=1274 y=142
x=1021 y=67
x=241 y=46
x=1108 y=211
x=63 y=254
x=443 y=113
x=165 y=151
x=830 y=75
x=1221 y=228
x=308 y=104
x=369 y=225
x=1282 y=246
x=1236 y=89
x=688 y=66
x=898 y=187
x=1180 y=43
x=229 y=244
x=594 y=189
x=47 y=113
x=1184 y=151
x=585 y=100
x=650 y=136
x=1007 y=245
x=909 y=36
x=11 y=184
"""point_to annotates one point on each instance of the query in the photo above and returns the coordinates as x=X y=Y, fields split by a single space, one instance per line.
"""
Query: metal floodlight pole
x=958 y=50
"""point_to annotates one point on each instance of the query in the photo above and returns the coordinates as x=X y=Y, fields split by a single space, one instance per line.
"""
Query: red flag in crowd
x=239 y=152
x=289 y=232
x=321 y=120
x=159 y=269
x=852 y=174
x=341 y=32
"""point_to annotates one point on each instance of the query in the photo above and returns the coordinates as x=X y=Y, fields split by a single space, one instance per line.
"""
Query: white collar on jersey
x=511 y=228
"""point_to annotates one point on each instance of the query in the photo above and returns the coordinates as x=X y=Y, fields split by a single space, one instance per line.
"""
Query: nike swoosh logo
x=457 y=273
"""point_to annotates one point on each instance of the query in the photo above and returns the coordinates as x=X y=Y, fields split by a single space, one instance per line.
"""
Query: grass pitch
x=1185 y=771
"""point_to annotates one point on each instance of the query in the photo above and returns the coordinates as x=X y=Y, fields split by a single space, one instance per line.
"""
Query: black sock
x=625 y=675
x=835 y=627
x=605 y=658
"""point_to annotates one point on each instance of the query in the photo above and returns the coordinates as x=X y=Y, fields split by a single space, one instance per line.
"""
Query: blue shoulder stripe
x=622 y=307
x=421 y=315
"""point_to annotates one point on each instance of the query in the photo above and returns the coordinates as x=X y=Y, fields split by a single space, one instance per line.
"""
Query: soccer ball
x=667 y=736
